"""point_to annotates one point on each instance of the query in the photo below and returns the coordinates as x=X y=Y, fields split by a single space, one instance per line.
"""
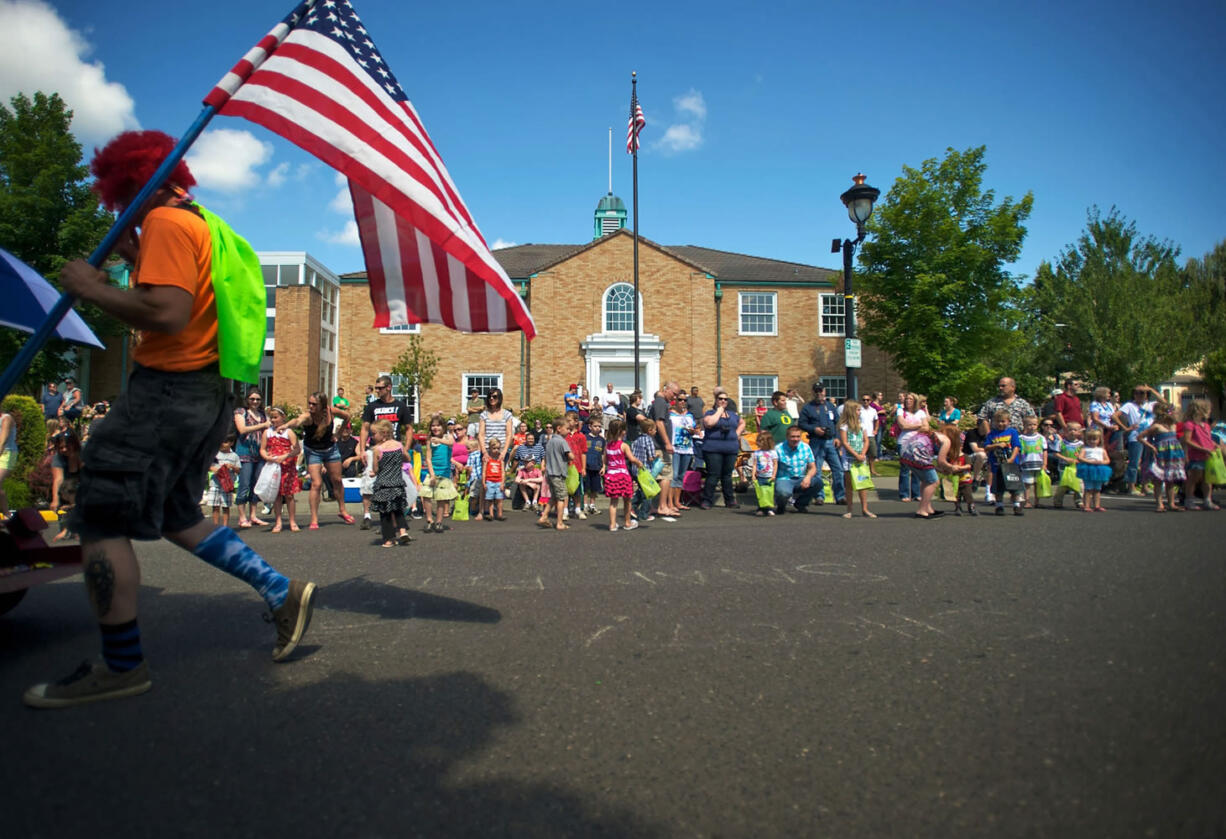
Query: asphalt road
x=1060 y=674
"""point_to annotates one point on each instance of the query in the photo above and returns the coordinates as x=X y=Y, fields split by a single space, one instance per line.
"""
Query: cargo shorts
x=145 y=466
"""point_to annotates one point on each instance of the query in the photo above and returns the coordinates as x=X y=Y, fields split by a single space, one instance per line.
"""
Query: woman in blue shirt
x=950 y=412
x=721 y=442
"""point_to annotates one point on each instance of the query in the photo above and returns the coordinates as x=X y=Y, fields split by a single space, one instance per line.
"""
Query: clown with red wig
x=144 y=469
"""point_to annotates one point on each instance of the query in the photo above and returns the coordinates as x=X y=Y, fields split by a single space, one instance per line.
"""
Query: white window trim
x=464 y=387
x=404 y=329
x=604 y=310
x=829 y=381
x=741 y=397
x=774 y=296
x=821 y=314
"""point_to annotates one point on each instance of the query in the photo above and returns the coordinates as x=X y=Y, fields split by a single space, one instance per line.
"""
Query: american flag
x=637 y=122
x=318 y=80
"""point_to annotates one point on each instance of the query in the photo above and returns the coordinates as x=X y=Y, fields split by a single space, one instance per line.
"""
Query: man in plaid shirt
x=797 y=471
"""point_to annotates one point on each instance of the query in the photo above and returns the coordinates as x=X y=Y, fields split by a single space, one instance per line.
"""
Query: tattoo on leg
x=100 y=582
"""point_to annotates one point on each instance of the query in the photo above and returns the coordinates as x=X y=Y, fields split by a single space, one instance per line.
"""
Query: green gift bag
x=828 y=492
x=459 y=512
x=861 y=477
x=1042 y=484
x=1215 y=468
x=572 y=479
x=1069 y=479
x=765 y=493
x=649 y=485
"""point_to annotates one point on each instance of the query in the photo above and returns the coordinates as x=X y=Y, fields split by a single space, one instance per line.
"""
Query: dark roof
x=725 y=265
x=522 y=261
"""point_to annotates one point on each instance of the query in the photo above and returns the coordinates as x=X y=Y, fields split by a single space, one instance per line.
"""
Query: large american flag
x=318 y=80
x=637 y=123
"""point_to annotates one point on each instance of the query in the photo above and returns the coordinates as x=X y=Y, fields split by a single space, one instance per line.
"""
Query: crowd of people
x=647 y=460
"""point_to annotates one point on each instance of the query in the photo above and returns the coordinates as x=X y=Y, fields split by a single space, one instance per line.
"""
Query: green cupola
x=610 y=216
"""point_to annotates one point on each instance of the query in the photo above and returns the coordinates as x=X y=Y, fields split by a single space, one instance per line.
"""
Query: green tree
x=48 y=214
x=1118 y=306
x=934 y=287
x=417 y=365
x=1206 y=281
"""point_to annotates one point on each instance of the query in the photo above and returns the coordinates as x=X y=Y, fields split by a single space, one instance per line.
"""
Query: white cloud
x=347 y=235
x=278 y=175
x=682 y=137
x=342 y=203
x=501 y=243
x=685 y=134
x=691 y=103
x=226 y=160
x=38 y=52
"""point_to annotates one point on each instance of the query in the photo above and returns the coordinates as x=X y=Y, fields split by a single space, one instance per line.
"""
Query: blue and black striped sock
x=121 y=646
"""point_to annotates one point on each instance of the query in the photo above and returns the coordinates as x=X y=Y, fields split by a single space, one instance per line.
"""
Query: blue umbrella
x=28 y=298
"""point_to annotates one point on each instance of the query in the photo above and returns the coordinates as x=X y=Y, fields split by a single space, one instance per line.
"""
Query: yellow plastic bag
x=1042 y=484
x=1069 y=479
x=572 y=480
x=649 y=485
x=765 y=493
x=1215 y=468
x=861 y=477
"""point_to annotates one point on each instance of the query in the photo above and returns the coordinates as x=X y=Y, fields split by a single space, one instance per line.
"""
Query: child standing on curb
x=1167 y=469
x=1094 y=469
x=224 y=470
x=1070 y=447
x=765 y=468
x=388 y=494
x=1004 y=449
x=644 y=448
x=616 y=475
x=1034 y=458
x=855 y=447
x=493 y=476
x=558 y=457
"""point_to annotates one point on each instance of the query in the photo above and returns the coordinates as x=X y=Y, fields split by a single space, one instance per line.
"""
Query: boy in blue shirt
x=595 y=461
x=1003 y=447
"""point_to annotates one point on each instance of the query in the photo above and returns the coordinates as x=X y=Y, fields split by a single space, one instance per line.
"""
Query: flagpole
x=634 y=98
x=25 y=357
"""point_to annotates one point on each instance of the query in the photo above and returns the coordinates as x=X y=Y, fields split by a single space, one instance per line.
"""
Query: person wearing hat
x=73 y=404
x=144 y=469
x=819 y=418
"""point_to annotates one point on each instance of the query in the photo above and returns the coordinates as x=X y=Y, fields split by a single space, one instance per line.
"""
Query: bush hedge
x=31 y=445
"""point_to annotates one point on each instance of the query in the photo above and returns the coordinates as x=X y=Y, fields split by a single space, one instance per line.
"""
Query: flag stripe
x=325 y=88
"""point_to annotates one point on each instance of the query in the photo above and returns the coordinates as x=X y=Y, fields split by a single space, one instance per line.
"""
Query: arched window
x=619 y=308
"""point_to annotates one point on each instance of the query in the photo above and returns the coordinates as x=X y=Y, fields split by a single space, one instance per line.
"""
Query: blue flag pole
x=25 y=357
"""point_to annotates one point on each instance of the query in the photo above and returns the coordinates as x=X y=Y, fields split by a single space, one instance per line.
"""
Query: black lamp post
x=859 y=201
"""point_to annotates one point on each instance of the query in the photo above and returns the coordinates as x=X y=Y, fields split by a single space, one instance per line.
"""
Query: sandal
x=500 y=518
x=243 y=524
x=276 y=528
x=847 y=515
x=258 y=522
x=346 y=518
x=868 y=515
x=294 y=528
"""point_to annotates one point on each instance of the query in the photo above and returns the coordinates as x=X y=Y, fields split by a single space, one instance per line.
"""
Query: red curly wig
x=126 y=163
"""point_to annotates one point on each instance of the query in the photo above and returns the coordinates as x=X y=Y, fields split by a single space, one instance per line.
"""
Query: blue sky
x=757 y=116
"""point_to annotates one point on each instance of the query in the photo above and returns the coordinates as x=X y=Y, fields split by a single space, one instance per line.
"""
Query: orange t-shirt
x=176 y=250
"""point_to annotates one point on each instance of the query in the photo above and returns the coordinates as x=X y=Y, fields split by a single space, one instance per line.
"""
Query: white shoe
x=582 y=515
x=632 y=525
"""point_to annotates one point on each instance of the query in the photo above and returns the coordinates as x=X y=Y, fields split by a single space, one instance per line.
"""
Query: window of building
x=483 y=383
x=836 y=387
x=619 y=308
x=754 y=388
x=832 y=315
x=401 y=389
x=757 y=310
x=409 y=328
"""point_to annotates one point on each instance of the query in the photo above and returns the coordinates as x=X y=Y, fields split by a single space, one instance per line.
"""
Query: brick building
x=707 y=317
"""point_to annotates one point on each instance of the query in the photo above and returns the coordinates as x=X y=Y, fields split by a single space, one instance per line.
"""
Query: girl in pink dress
x=616 y=475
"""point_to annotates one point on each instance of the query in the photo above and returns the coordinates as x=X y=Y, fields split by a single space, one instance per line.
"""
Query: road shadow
x=345 y=756
x=363 y=596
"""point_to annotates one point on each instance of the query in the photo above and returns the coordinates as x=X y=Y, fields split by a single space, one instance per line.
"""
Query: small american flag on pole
x=637 y=122
x=318 y=81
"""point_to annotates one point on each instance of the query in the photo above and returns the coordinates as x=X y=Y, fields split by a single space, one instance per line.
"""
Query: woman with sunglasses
x=250 y=421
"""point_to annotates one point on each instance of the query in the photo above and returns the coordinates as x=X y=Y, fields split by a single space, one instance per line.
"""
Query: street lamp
x=859 y=201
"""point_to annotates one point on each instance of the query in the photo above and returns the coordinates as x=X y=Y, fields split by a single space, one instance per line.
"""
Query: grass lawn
x=888 y=468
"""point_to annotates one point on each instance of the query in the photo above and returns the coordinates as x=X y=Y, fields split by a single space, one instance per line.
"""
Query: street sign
x=851 y=349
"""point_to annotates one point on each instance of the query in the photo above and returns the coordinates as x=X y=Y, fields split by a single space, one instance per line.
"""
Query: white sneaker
x=565 y=515
x=582 y=515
